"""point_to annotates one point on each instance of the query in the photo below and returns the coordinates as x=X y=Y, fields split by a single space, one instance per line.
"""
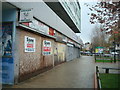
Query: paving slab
x=78 y=73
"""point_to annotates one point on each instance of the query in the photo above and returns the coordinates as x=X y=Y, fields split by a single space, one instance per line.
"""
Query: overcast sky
x=86 y=27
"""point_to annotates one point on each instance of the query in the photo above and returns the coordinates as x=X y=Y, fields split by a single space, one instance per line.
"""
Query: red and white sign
x=46 y=47
x=51 y=32
x=40 y=27
x=29 y=44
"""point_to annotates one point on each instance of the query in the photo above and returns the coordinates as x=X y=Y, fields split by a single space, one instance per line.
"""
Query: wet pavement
x=78 y=73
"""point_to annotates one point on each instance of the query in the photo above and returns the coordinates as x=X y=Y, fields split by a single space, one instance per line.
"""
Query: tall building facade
x=73 y=10
x=69 y=11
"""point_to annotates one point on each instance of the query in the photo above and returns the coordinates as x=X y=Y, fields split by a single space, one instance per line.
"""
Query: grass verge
x=107 y=61
x=110 y=80
x=104 y=61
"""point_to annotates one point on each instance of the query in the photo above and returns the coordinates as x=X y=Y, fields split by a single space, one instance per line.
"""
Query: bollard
x=107 y=71
x=97 y=69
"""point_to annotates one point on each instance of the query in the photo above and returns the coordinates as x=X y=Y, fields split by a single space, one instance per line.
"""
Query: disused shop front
x=60 y=48
x=30 y=47
x=35 y=49
x=65 y=49
x=73 y=50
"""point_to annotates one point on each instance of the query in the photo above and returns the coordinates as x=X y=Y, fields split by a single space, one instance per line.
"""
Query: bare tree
x=98 y=37
x=107 y=13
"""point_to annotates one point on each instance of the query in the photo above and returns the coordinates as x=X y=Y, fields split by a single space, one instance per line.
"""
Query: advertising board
x=46 y=47
x=29 y=44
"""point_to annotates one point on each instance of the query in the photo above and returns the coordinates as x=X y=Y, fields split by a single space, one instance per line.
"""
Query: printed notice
x=29 y=44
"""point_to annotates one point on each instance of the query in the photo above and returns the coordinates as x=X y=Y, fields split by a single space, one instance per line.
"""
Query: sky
x=86 y=27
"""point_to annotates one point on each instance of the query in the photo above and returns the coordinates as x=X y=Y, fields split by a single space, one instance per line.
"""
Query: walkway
x=78 y=73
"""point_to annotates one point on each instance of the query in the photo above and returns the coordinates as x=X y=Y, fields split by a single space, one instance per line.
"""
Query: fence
x=105 y=71
x=106 y=58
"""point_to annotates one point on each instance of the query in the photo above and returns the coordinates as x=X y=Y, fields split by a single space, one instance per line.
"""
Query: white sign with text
x=29 y=43
x=26 y=15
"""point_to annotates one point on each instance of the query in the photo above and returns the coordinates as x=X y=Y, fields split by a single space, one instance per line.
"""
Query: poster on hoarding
x=7 y=60
x=46 y=47
x=29 y=44
x=7 y=29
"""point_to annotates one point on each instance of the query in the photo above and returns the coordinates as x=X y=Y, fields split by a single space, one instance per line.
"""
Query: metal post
x=114 y=50
x=98 y=78
x=97 y=69
x=107 y=70
x=95 y=55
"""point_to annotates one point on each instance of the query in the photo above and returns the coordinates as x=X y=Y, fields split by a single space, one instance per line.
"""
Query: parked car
x=107 y=55
x=97 y=54
x=88 y=53
x=114 y=53
x=81 y=52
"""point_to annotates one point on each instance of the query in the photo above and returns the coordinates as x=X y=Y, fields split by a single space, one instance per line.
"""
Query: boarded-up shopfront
x=60 y=49
x=61 y=52
x=38 y=52
x=55 y=54
x=31 y=42
x=70 y=53
x=73 y=50
x=29 y=62
x=47 y=59
x=35 y=50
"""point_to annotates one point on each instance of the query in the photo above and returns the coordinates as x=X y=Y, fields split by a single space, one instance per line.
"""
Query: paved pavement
x=78 y=73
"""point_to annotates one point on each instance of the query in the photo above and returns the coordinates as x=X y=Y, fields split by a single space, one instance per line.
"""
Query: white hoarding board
x=26 y=15
x=46 y=47
x=29 y=44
